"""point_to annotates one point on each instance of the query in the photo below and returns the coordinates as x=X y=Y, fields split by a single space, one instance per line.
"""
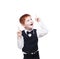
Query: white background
x=47 y=10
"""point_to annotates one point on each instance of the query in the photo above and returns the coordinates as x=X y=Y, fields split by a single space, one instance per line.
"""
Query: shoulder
x=34 y=29
x=23 y=32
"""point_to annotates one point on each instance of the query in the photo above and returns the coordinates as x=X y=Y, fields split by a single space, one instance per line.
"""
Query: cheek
x=27 y=23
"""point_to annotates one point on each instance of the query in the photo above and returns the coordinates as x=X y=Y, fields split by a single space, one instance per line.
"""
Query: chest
x=30 y=40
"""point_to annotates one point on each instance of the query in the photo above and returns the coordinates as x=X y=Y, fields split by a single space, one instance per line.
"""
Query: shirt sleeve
x=20 y=42
x=41 y=30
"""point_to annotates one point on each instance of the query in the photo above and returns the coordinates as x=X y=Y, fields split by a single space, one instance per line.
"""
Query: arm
x=41 y=30
x=20 y=40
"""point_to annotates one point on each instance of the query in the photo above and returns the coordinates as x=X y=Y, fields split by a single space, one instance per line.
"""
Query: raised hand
x=19 y=34
x=37 y=19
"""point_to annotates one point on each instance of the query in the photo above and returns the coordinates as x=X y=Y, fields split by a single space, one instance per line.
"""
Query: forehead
x=28 y=17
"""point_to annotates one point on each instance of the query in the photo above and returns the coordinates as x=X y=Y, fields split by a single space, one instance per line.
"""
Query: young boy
x=28 y=38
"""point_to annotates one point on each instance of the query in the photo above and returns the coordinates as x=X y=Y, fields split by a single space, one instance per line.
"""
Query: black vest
x=30 y=43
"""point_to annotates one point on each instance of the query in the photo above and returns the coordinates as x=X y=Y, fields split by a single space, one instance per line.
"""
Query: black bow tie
x=30 y=32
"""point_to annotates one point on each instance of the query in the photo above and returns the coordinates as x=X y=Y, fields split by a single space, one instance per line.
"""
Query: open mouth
x=31 y=24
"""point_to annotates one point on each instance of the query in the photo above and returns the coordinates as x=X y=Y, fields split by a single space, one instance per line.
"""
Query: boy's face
x=28 y=23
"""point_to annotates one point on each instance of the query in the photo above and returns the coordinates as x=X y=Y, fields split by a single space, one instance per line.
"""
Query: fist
x=37 y=19
x=19 y=33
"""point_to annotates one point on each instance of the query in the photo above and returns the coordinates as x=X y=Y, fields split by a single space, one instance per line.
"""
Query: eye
x=30 y=19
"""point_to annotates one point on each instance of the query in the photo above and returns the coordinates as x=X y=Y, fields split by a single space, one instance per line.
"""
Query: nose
x=31 y=21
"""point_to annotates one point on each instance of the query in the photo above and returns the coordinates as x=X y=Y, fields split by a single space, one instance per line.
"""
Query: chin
x=31 y=27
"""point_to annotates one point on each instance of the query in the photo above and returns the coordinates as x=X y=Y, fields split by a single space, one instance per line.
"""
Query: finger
x=36 y=19
x=19 y=34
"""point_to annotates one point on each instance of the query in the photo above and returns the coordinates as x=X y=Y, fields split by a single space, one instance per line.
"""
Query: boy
x=28 y=38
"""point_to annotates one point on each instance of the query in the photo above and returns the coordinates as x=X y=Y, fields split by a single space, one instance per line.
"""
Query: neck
x=28 y=29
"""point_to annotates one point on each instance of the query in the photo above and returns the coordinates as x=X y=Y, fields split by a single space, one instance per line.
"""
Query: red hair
x=22 y=18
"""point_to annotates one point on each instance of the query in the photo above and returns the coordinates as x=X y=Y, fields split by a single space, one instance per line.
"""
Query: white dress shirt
x=41 y=31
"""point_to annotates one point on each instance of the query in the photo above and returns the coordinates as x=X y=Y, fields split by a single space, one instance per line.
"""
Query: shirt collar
x=27 y=30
